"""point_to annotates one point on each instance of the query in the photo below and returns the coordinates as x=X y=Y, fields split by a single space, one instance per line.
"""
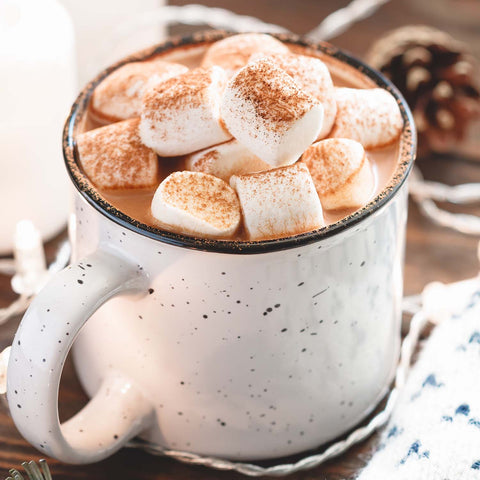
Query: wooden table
x=433 y=253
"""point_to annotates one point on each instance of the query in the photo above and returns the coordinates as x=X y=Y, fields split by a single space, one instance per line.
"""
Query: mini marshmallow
x=225 y=160
x=278 y=203
x=181 y=115
x=232 y=53
x=341 y=172
x=370 y=116
x=113 y=157
x=265 y=110
x=198 y=203
x=119 y=96
x=313 y=77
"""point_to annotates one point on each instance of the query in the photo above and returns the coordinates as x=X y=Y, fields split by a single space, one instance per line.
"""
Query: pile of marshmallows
x=250 y=121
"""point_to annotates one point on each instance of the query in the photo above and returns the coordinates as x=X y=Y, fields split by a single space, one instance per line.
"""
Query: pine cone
x=435 y=73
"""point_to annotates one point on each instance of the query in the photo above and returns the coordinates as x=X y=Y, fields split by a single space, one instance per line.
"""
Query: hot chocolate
x=237 y=130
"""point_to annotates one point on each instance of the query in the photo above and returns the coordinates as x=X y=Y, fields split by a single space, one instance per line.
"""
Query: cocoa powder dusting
x=126 y=173
x=203 y=196
x=233 y=52
x=114 y=157
x=279 y=202
x=371 y=111
x=273 y=93
x=205 y=160
x=333 y=162
x=119 y=95
x=183 y=91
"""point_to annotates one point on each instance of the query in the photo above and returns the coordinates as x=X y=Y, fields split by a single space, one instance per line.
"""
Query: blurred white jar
x=37 y=85
x=98 y=28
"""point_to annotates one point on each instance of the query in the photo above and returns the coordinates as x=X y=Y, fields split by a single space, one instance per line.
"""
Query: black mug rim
x=88 y=192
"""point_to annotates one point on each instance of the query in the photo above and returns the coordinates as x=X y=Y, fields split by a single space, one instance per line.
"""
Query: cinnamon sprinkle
x=203 y=196
x=119 y=95
x=233 y=52
x=114 y=157
x=370 y=116
x=313 y=77
x=333 y=162
x=273 y=94
x=189 y=90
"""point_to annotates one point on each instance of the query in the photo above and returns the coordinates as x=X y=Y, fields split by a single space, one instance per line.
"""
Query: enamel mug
x=240 y=350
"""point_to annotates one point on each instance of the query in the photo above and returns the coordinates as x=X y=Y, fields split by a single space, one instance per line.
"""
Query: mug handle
x=118 y=411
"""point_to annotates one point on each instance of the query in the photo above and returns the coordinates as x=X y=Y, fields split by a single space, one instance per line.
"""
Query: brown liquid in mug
x=136 y=202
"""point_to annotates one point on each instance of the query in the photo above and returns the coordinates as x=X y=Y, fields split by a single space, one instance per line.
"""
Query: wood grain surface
x=433 y=253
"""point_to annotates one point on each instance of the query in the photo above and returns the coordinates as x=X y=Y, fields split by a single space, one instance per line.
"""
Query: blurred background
x=49 y=49
x=461 y=18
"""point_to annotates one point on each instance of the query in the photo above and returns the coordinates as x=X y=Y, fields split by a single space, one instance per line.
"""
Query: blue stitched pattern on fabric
x=473 y=300
x=472 y=303
x=393 y=432
x=463 y=409
x=475 y=422
x=476 y=465
x=434 y=432
x=415 y=449
x=431 y=380
x=475 y=337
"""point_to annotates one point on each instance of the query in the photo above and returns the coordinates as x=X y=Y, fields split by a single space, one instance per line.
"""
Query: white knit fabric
x=434 y=432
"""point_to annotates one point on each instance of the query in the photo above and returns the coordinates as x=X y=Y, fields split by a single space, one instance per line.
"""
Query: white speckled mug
x=233 y=349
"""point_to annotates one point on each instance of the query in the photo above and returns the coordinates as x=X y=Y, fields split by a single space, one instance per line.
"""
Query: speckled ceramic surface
x=244 y=356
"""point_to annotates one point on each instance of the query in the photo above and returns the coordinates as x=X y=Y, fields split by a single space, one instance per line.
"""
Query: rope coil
x=426 y=193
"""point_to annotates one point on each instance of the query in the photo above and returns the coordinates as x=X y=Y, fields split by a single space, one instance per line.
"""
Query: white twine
x=409 y=344
x=439 y=192
x=341 y=20
x=194 y=15
x=425 y=193
x=412 y=304
x=7 y=266
x=22 y=302
x=17 y=307
x=333 y=25
x=219 y=18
